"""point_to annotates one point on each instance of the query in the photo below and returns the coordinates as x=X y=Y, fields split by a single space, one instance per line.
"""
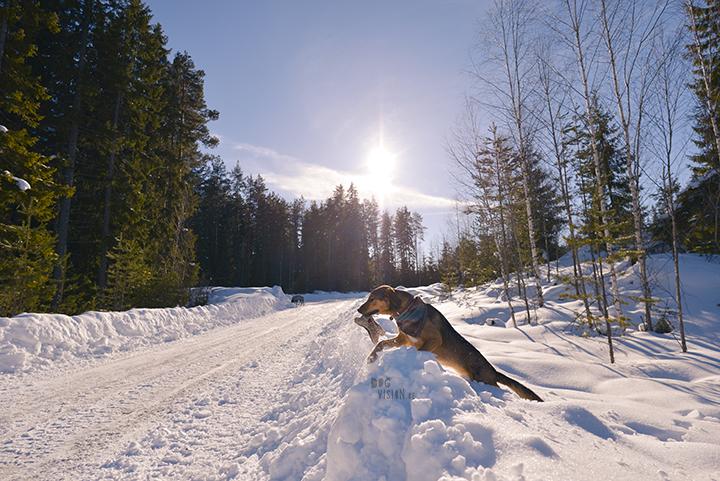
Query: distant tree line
x=573 y=141
x=108 y=201
x=249 y=236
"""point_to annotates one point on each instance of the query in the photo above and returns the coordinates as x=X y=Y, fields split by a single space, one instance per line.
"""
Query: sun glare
x=380 y=162
x=380 y=166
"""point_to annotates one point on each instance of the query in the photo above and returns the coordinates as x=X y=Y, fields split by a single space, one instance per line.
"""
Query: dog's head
x=382 y=300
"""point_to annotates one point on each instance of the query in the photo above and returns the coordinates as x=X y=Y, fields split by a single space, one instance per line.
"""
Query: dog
x=298 y=300
x=423 y=327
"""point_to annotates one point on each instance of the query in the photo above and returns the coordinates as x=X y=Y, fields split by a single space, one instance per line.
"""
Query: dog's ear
x=393 y=299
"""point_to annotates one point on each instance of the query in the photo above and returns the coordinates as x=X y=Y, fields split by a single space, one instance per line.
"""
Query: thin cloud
x=291 y=177
x=263 y=152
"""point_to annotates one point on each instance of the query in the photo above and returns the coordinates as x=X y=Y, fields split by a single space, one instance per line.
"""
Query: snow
x=21 y=183
x=250 y=387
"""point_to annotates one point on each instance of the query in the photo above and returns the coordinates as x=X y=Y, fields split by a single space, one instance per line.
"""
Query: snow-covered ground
x=250 y=387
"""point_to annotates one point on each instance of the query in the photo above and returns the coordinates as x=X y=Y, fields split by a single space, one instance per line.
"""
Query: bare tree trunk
x=501 y=248
x=673 y=219
x=605 y=311
x=504 y=267
x=558 y=149
x=547 y=249
x=671 y=84
x=633 y=52
x=531 y=233
x=507 y=31
x=579 y=51
x=68 y=172
x=504 y=253
x=519 y=268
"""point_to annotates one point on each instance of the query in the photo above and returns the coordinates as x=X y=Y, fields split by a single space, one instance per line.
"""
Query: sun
x=380 y=165
x=380 y=162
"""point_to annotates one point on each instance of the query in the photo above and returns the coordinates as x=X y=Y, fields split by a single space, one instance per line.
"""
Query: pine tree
x=238 y=225
x=27 y=191
x=74 y=119
x=607 y=205
x=492 y=178
x=297 y=212
x=314 y=248
x=210 y=222
x=371 y=218
x=171 y=196
x=616 y=189
x=700 y=203
x=404 y=245
x=130 y=60
x=355 y=243
x=387 y=250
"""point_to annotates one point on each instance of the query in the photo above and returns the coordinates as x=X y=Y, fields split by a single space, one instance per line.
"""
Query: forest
x=110 y=200
x=582 y=117
x=594 y=108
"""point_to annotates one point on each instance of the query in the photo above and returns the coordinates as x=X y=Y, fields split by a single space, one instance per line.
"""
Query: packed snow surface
x=250 y=387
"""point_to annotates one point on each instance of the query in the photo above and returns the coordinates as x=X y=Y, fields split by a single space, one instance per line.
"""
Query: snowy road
x=193 y=405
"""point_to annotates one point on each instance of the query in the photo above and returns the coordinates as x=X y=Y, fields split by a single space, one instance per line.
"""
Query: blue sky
x=307 y=90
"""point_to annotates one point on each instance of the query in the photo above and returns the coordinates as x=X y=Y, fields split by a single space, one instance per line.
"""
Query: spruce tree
x=27 y=189
x=386 y=244
x=616 y=189
x=699 y=211
x=211 y=223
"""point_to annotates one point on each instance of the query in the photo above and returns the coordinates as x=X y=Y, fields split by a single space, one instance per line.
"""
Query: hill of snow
x=249 y=387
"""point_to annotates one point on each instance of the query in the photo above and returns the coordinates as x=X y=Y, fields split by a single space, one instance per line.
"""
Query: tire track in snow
x=181 y=402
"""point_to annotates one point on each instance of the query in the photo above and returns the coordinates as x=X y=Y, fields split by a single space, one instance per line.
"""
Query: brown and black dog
x=423 y=327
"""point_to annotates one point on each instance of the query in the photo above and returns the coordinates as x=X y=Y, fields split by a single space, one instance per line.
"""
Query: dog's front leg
x=396 y=341
x=430 y=345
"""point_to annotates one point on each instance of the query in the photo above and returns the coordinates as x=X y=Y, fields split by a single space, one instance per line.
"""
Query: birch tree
x=571 y=27
x=555 y=95
x=671 y=100
x=479 y=172
x=506 y=42
x=627 y=28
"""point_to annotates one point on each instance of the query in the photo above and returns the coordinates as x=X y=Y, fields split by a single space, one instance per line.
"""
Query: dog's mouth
x=372 y=313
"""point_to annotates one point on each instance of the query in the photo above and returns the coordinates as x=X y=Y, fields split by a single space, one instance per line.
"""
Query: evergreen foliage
x=615 y=188
x=28 y=191
x=698 y=211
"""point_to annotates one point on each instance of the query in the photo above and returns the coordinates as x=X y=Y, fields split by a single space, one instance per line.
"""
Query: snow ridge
x=32 y=341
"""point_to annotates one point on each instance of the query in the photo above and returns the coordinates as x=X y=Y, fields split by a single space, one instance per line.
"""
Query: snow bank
x=411 y=420
x=30 y=341
x=401 y=423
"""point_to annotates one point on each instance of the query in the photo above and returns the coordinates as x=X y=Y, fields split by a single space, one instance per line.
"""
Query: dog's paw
x=371 y=358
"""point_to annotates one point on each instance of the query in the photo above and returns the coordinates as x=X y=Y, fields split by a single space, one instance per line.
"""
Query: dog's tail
x=519 y=389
